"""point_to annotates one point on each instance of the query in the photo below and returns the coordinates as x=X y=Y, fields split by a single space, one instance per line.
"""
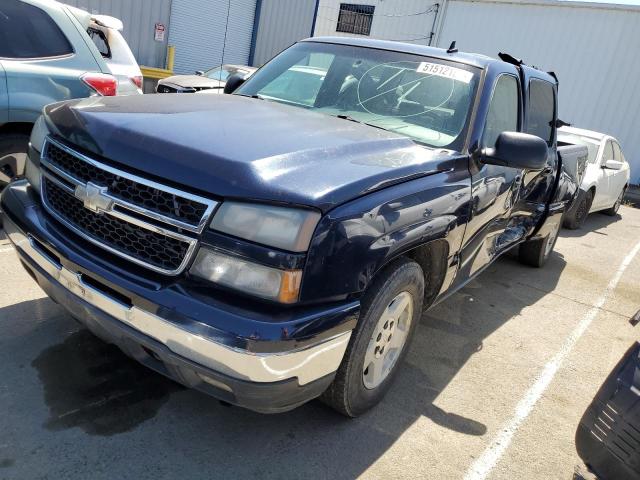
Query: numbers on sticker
x=445 y=71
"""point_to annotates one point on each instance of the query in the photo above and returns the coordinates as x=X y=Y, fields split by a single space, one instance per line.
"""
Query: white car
x=210 y=81
x=105 y=33
x=606 y=177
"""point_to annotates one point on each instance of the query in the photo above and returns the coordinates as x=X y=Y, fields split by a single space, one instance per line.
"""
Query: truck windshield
x=424 y=98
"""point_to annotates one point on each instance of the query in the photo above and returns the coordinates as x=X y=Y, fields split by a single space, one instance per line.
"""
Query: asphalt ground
x=494 y=386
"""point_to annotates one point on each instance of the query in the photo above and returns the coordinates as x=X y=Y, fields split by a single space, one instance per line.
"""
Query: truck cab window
x=28 y=32
x=542 y=105
x=503 y=110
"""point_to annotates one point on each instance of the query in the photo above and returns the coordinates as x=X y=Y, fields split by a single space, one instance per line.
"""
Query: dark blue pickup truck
x=280 y=243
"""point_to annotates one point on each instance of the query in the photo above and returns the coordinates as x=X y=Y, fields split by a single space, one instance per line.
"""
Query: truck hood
x=237 y=147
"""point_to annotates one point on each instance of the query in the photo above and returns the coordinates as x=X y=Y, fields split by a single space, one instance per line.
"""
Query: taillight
x=137 y=81
x=105 y=84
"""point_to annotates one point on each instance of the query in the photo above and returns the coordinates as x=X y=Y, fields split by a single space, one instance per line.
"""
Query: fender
x=354 y=241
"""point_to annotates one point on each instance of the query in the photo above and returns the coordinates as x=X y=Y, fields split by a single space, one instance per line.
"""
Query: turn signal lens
x=104 y=84
x=290 y=286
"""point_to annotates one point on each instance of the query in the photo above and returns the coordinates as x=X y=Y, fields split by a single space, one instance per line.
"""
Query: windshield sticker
x=445 y=71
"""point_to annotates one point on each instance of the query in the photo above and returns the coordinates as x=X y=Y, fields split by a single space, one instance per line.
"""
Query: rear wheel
x=613 y=211
x=390 y=310
x=13 y=155
x=536 y=252
x=575 y=218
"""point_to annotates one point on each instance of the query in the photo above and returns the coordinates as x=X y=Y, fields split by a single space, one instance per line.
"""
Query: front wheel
x=536 y=252
x=390 y=310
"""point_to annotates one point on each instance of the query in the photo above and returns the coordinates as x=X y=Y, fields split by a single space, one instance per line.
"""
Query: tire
x=535 y=253
x=13 y=154
x=574 y=219
x=613 y=211
x=355 y=388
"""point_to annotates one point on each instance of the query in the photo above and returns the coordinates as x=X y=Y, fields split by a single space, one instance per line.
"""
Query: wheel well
x=432 y=257
x=592 y=189
x=16 y=127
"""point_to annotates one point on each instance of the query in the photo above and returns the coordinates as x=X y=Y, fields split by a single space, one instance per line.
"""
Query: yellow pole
x=171 y=53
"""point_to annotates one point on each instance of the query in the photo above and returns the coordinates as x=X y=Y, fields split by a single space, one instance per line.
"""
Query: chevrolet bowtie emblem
x=94 y=197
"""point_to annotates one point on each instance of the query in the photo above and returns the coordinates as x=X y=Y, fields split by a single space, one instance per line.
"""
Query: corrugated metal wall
x=139 y=18
x=594 y=49
x=400 y=20
x=198 y=32
x=282 y=23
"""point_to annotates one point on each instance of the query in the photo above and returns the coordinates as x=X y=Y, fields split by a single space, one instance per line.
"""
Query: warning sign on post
x=159 y=32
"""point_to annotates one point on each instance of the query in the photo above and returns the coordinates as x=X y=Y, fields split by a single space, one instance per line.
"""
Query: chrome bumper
x=307 y=365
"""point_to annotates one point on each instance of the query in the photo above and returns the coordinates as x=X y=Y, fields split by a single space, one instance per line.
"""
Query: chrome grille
x=145 y=222
x=154 y=199
x=147 y=246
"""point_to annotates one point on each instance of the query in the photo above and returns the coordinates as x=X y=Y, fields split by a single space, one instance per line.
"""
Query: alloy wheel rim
x=388 y=340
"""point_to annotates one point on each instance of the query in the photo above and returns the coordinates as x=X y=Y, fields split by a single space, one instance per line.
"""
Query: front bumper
x=266 y=382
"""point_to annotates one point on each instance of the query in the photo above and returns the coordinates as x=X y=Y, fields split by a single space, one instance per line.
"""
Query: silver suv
x=46 y=55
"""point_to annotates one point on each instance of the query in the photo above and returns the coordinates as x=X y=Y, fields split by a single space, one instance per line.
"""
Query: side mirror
x=233 y=82
x=517 y=150
x=612 y=165
x=199 y=73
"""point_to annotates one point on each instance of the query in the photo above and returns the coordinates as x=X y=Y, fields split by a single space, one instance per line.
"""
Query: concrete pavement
x=73 y=407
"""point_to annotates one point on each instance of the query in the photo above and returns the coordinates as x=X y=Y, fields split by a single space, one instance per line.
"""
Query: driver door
x=494 y=188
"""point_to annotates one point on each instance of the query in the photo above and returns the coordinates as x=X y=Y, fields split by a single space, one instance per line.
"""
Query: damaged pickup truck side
x=280 y=243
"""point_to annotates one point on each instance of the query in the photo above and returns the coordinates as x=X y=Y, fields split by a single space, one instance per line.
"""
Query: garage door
x=197 y=29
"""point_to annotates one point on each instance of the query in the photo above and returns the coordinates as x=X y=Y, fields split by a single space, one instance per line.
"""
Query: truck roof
x=473 y=59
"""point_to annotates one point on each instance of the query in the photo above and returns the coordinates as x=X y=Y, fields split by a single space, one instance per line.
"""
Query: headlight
x=266 y=282
x=285 y=228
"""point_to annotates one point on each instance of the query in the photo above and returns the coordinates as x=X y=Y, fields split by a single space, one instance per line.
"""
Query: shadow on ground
x=595 y=222
x=93 y=386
